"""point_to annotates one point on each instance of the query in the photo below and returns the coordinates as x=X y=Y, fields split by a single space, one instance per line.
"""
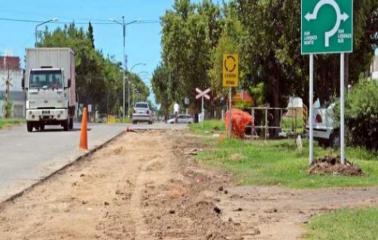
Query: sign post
x=311 y=110
x=342 y=109
x=230 y=79
x=203 y=94
x=327 y=28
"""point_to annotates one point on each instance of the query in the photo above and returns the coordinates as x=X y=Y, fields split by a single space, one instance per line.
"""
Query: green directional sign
x=327 y=26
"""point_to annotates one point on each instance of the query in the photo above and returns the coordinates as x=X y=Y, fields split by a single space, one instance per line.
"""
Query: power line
x=96 y=22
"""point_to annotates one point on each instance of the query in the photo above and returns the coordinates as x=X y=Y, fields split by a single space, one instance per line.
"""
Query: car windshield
x=46 y=79
x=141 y=105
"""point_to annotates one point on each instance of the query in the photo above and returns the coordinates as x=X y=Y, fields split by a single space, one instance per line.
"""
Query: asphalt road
x=27 y=157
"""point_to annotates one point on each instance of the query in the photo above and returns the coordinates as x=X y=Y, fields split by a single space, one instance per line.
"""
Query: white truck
x=49 y=83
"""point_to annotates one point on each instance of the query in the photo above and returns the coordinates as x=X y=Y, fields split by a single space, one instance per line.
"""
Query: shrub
x=361 y=114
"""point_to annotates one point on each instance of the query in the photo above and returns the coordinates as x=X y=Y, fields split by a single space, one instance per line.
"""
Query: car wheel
x=135 y=122
x=323 y=143
x=334 y=140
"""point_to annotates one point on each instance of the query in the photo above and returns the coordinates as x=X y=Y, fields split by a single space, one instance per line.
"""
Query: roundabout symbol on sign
x=339 y=17
x=230 y=63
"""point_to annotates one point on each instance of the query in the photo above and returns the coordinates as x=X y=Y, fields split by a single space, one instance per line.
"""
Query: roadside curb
x=64 y=167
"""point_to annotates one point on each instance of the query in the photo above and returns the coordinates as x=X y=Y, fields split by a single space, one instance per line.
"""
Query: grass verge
x=345 y=224
x=207 y=127
x=277 y=162
x=10 y=122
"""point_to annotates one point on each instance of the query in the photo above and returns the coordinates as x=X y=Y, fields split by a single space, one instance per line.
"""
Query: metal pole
x=203 y=112
x=124 y=69
x=266 y=122
x=342 y=108
x=36 y=35
x=230 y=112
x=310 y=117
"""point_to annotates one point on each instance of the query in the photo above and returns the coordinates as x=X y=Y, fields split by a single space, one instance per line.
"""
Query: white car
x=325 y=130
x=182 y=118
x=142 y=113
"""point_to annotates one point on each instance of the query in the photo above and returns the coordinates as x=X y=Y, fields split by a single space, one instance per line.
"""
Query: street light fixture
x=124 y=24
x=40 y=24
x=138 y=64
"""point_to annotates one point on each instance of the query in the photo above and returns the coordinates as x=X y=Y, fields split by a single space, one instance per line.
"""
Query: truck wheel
x=71 y=124
x=66 y=125
x=29 y=126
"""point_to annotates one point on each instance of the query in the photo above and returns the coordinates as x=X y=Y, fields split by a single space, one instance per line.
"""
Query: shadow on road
x=60 y=130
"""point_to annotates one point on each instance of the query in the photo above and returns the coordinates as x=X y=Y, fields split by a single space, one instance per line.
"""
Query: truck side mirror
x=69 y=83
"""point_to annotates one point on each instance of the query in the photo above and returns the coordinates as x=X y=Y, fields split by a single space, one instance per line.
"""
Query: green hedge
x=361 y=114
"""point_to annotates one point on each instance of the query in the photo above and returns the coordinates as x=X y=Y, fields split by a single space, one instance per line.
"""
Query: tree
x=160 y=83
x=190 y=33
x=90 y=35
x=98 y=78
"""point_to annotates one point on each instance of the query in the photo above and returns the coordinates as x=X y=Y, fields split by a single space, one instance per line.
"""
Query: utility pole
x=124 y=24
x=124 y=71
x=7 y=89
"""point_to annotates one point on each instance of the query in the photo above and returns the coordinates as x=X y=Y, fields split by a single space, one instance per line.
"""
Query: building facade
x=11 y=76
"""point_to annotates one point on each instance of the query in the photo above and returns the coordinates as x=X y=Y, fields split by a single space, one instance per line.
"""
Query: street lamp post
x=40 y=24
x=123 y=24
x=131 y=69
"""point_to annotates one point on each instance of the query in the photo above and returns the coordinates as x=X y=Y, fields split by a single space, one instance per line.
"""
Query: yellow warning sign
x=230 y=70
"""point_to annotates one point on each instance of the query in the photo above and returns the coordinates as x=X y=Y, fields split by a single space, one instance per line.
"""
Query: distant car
x=325 y=130
x=142 y=113
x=182 y=118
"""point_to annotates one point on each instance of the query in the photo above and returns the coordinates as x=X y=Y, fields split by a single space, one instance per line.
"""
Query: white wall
x=16 y=78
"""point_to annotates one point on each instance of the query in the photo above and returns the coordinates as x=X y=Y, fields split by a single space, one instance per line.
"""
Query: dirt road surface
x=147 y=185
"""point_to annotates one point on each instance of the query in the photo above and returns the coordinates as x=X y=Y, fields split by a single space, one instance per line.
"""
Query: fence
x=272 y=122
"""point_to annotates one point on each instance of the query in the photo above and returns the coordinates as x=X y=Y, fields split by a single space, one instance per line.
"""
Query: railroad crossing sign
x=230 y=70
x=203 y=94
x=327 y=26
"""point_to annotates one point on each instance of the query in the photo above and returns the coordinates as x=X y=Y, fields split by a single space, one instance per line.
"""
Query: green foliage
x=361 y=114
x=8 y=109
x=10 y=122
x=293 y=124
x=228 y=43
x=99 y=79
x=159 y=83
x=346 y=224
x=190 y=33
x=266 y=34
x=278 y=162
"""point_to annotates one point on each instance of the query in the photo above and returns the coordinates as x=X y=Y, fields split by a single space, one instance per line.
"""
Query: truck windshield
x=46 y=79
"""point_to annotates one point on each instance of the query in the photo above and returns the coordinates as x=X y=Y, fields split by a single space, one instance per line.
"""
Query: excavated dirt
x=332 y=166
x=147 y=185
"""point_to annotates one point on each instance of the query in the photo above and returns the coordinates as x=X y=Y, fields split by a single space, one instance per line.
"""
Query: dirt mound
x=332 y=166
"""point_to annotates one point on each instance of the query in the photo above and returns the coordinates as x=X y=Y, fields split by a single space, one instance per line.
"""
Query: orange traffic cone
x=84 y=130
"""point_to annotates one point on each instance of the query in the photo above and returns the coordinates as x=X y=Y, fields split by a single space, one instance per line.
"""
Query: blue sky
x=142 y=43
